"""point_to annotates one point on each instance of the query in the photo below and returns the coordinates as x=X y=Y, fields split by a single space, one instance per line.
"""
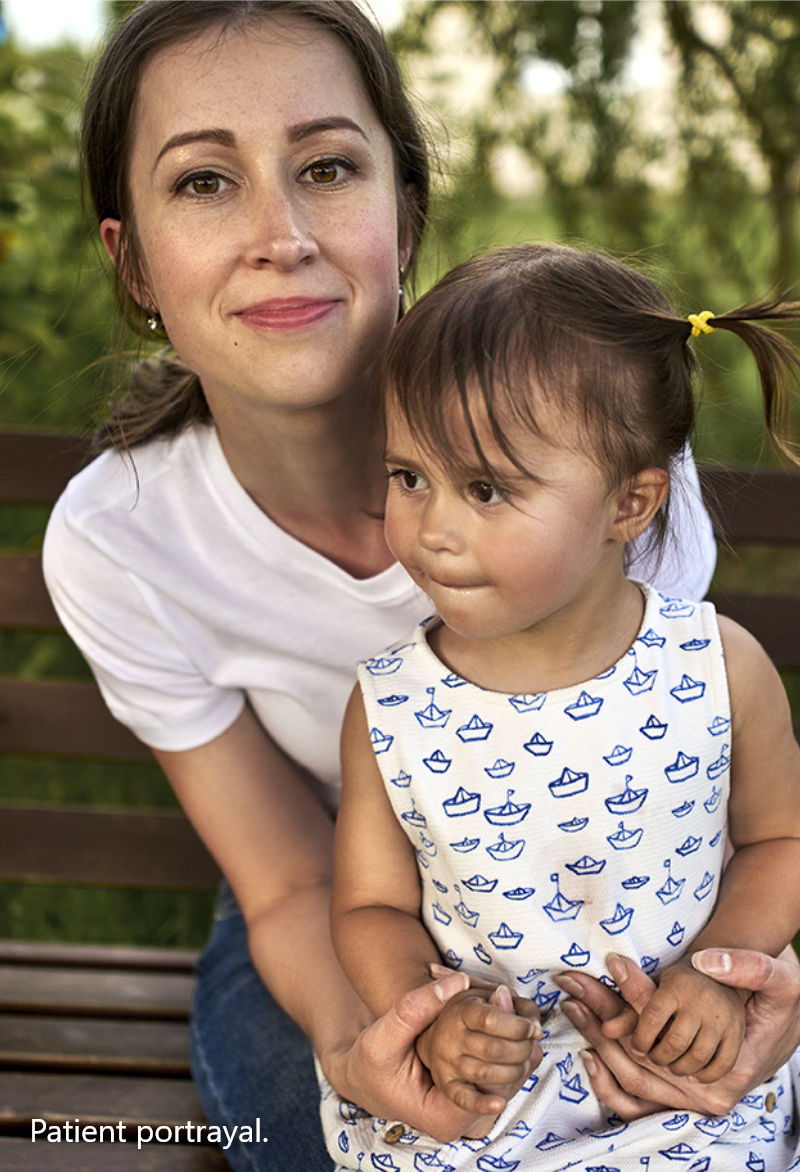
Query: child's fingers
x=711 y=1057
x=652 y=1023
x=681 y=1034
x=476 y=1101
x=621 y=1026
x=487 y=1017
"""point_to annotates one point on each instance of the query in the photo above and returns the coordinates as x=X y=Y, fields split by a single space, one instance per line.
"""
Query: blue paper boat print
x=474 y=730
x=648 y=964
x=713 y=841
x=519 y=893
x=480 y=883
x=576 y=957
x=688 y=689
x=551 y=1140
x=538 y=745
x=755 y=1163
x=628 y=802
x=496 y=1164
x=682 y=768
x=453 y=959
x=676 y=608
x=713 y=1127
x=520 y=1130
x=584 y=706
x=380 y=741
x=574 y=825
x=509 y=814
x=528 y=701
x=700 y=1165
x=679 y=1152
x=437 y=762
x=569 y=784
x=503 y=852
x=462 y=802
x=466 y=845
x=392 y=701
x=500 y=769
x=675 y=1122
x=440 y=915
x=672 y=887
x=625 y=840
x=604 y=675
x=440 y=886
x=482 y=955
x=505 y=937
x=618 y=755
x=682 y=811
x=343 y=1142
x=651 y=638
x=414 y=818
x=705 y=887
x=676 y=935
x=718 y=726
x=586 y=866
x=653 y=728
x=560 y=908
x=573 y=1091
x=711 y=803
x=384 y=1163
x=383 y=665
x=428 y=846
x=695 y=645
x=466 y=914
x=530 y=975
x=431 y=716
x=619 y=921
x=423 y=1162
x=718 y=767
x=403 y=779
x=451 y=680
x=689 y=846
x=640 y=681
x=635 y=882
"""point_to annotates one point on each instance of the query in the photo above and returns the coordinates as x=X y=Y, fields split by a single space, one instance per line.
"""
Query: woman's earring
x=154 y=321
x=401 y=292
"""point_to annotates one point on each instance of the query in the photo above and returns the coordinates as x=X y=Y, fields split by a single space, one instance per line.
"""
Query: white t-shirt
x=186 y=599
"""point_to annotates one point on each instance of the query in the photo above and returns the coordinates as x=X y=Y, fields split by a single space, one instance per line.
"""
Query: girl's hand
x=479 y=1052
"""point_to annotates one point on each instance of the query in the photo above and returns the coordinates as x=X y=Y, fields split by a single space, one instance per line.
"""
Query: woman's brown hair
x=164 y=395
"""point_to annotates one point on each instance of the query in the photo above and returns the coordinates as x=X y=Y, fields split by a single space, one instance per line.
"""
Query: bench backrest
x=67 y=718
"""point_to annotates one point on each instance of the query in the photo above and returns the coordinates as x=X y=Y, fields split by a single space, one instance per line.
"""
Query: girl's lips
x=287 y=313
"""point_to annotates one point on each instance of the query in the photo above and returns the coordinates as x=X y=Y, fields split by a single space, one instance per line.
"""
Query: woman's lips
x=287 y=313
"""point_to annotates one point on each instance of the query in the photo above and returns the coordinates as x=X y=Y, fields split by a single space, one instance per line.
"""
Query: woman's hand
x=633 y=1088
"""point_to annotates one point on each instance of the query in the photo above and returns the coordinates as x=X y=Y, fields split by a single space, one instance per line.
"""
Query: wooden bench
x=98 y=1034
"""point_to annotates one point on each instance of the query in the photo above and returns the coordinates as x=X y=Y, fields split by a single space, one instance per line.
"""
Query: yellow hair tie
x=700 y=323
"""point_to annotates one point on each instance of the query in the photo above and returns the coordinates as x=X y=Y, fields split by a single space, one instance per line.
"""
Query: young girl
x=541 y=776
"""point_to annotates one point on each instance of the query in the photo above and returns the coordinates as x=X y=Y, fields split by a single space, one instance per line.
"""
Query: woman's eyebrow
x=224 y=138
x=320 y=125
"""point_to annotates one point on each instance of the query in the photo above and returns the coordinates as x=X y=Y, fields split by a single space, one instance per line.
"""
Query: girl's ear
x=638 y=501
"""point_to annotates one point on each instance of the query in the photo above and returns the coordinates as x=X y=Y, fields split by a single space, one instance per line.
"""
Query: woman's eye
x=203 y=184
x=487 y=494
x=326 y=172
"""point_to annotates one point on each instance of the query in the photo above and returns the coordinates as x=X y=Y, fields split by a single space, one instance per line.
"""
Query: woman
x=261 y=186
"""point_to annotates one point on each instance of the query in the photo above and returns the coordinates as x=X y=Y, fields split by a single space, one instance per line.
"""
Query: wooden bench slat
x=96 y=1098
x=84 y=844
x=94 y=1044
x=754 y=504
x=20 y=1155
x=97 y=956
x=81 y=992
x=35 y=468
x=66 y=717
x=774 y=619
x=24 y=601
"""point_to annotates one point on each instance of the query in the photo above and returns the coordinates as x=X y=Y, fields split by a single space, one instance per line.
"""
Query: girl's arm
x=476 y=1051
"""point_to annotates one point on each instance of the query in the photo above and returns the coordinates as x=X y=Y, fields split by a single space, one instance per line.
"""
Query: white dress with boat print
x=551 y=830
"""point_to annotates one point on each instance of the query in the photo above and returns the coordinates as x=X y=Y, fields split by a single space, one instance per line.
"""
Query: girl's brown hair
x=537 y=324
x=164 y=395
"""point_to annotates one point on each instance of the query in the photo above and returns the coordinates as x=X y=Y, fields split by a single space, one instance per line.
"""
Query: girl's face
x=500 y=559
x=264 y=194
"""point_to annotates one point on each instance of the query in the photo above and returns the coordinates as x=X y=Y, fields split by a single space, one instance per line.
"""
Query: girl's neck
x=560 y=652
x=317 y=473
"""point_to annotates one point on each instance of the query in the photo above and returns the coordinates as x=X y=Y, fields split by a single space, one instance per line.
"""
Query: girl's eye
x=487 y=494
x=327 y=172
x=203 y=183
x=409 y=481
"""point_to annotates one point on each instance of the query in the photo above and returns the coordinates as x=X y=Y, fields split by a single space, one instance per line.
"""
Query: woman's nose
x=280 y=236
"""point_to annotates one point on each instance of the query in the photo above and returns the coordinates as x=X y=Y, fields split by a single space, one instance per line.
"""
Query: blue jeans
x=249 y=1059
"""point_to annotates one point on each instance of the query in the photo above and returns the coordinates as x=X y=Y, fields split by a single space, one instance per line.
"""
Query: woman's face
x=264 y=194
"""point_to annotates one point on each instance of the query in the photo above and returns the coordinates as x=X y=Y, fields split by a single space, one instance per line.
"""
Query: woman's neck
x=318 y=474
